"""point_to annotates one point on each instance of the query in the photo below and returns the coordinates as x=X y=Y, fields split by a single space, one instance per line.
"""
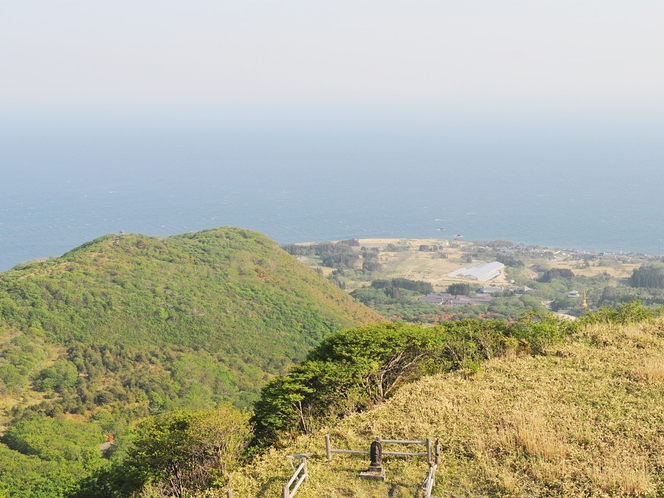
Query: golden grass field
x=595 y=268
x=586 y=419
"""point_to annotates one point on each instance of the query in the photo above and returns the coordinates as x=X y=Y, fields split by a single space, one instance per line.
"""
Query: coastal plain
x=435 y=266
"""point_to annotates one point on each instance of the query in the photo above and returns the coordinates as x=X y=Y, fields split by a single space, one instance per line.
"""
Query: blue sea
x=593 y=187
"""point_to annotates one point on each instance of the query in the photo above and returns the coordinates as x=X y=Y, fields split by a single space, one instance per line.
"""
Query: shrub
x=356 y=368
x=624 y=313
x=178 y=453
x=554 y=273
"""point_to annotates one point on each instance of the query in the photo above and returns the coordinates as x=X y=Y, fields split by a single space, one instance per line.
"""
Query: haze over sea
x=573 y=184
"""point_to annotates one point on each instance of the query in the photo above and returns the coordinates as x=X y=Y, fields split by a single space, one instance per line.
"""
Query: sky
x=163 y=117
x=380 y=61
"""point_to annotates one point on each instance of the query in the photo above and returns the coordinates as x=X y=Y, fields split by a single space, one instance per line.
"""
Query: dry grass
x=530 y=434
x=617 y=271
x=584 y=420
x=653 y=369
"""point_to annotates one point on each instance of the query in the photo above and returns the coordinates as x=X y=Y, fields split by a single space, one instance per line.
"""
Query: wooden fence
x=430 y=481
x=432 y=454
x=300 y=475
x=426 y=442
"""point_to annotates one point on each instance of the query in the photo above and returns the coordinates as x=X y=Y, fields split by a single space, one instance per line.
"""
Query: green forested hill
x=147 y=322
x=128 y=326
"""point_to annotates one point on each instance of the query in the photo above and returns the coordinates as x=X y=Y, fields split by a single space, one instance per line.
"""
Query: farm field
x=420 y=265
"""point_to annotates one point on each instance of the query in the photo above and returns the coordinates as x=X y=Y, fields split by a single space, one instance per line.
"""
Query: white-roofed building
x=481 y=271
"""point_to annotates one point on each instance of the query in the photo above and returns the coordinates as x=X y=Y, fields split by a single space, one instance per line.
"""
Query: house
x=573 y=294
x=489 y=290
x=433 y=299
x=445 y=299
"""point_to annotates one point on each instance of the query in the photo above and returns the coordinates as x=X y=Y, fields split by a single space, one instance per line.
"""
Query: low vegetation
x=358 y=368
x=496 y=394
x=581 y=418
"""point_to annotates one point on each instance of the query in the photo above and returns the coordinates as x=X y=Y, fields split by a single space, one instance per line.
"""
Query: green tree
x=61 y=375
x=554 y=273
x=186 y=451
x=460 y=289
x=650 y=275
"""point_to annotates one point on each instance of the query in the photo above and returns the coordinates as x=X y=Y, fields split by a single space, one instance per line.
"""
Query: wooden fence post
x=230 y=493
x=306 y=470
x=328 y=447
x=286 y=491
x=429 y=451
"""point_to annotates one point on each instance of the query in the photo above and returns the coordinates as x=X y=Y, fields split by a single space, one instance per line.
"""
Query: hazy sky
x=132 y=56
x=301 y=119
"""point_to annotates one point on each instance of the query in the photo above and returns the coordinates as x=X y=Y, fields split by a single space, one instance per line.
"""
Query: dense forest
x=127 y=326
x=649 y=276
x=129 y=304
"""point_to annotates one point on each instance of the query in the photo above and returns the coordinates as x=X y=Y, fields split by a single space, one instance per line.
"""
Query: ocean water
x=598 y=188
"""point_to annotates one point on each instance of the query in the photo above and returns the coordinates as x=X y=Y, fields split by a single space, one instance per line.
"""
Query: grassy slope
x=583 y=420
x=228 y=292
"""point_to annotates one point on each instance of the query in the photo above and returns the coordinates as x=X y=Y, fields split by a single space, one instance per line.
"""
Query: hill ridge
x=583 y=419
x=226 y=296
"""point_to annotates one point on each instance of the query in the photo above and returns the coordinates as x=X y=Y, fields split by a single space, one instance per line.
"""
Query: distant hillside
x=151 y=323
x=583 y=419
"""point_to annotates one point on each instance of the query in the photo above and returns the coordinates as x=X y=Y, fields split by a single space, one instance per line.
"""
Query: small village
x=477 y=278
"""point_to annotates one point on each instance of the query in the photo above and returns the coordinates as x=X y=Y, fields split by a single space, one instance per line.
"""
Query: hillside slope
x=192 y=319
x=585 y=419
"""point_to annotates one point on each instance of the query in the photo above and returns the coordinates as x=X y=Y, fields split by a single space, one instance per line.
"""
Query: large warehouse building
x=479 y=271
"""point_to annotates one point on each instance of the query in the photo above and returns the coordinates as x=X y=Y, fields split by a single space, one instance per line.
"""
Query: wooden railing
x=432 y=454
x=426 y=442
x=300 y=475
x=430 y=481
